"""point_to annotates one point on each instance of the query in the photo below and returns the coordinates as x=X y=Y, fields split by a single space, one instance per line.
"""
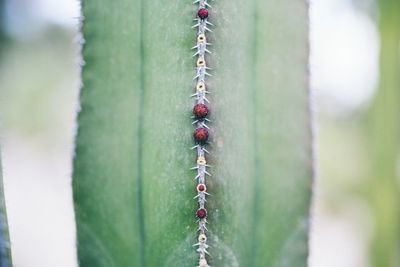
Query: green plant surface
x=5 y=248
x=133 y=190
x=383 y=130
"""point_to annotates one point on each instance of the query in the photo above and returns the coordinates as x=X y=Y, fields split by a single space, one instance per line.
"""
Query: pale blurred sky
x=344 y=67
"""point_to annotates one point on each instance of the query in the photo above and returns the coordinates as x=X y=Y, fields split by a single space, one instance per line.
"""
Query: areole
x=201 y=133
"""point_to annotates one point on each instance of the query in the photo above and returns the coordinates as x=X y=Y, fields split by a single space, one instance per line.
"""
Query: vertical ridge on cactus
x=201 y=134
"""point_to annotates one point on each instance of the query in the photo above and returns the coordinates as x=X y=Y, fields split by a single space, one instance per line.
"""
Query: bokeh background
x=355 y=77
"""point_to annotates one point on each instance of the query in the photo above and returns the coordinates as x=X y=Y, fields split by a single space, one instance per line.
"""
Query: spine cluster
x=201 y=133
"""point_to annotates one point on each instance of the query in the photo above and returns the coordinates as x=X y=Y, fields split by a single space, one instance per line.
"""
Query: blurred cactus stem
x=5 y=248
x=384 y=136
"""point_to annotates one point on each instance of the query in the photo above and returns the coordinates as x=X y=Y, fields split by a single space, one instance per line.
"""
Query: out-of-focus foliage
x=2 y=15
x=5 y=251
x=38 y=90
x=358 y=155
x=383 y=131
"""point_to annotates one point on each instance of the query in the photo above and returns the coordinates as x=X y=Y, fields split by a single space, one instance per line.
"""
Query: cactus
x=133 y=187
x=382 y=132
x=5 y=250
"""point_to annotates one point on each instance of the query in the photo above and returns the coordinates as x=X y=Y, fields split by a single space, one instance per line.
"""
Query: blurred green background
x=355 y=77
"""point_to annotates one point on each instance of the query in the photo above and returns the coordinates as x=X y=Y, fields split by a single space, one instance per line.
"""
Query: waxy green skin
x=133 y=187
